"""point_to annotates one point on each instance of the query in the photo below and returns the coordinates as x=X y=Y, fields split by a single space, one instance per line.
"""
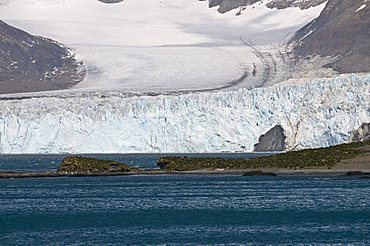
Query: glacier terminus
x=313 y=114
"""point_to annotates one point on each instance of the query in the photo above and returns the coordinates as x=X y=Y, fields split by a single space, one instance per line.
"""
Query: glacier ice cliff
x=316 y=113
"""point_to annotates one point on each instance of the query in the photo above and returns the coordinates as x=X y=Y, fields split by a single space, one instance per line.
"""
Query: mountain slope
x=29 y=63
x=343 y=31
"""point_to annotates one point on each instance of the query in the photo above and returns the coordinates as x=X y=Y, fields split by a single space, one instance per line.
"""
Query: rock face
x=29 y=63
x=361 y=134
x=273 y=140
x=302 y=4
x=343 y=31
x=227 y=5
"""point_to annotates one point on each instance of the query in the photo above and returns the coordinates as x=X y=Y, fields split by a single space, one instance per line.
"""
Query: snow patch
x=361 y=8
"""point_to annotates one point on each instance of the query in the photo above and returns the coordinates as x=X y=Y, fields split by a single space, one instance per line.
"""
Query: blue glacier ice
x=314 y=113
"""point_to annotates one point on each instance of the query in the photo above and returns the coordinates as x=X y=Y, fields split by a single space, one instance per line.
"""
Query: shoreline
x=341 y=160
x=231 y=172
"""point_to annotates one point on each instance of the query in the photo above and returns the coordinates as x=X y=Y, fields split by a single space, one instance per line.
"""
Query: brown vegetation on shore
x=345 y=155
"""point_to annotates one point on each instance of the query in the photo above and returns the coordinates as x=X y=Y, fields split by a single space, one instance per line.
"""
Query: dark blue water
x=185 y=210
x=51 y=162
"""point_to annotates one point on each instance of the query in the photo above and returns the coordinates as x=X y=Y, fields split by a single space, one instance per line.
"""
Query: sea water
x=185 y=210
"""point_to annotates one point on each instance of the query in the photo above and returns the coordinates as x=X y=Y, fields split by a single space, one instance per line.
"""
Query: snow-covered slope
x=157 y=45
x=313 y=114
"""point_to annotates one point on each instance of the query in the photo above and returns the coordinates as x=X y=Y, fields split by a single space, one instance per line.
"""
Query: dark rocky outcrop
x=110 y=1
x=342 y=31
x=361 y=134
x=283 y=4
x=227 y=5
x=273 y=140
x=356 y=173
x=29 y=63
x=258 y=173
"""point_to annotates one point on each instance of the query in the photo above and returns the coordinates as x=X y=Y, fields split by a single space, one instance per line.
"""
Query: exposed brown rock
x=227 y=5
x=302 y=4
x=29 y=63
x=343 y=31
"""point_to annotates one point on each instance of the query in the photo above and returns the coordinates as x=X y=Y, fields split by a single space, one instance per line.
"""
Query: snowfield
x=313 y=114
x=161 y=45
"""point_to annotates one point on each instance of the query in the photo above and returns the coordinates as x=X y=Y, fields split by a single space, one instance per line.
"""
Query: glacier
x=314 y=113
x=160 y=46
